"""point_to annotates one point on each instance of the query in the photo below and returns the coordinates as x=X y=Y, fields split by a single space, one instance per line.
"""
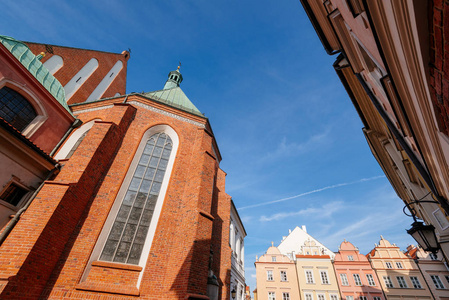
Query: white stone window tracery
x=145 y=166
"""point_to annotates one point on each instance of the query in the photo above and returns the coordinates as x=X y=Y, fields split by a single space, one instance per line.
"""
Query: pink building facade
x=356 y=278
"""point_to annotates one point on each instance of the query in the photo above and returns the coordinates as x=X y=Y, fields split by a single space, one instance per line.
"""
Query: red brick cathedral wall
x=74 y=60
x=48 y=251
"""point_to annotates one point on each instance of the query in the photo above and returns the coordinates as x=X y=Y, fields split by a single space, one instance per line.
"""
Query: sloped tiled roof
x=174 y=97
x=36 y=68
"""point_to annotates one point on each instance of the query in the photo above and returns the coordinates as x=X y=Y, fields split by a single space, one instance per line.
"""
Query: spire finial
x=179 y=67
x=272 y=244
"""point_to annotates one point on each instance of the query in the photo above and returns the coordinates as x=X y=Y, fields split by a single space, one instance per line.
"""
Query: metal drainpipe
x=16 y=217
x=421 y=169
x=77 y=123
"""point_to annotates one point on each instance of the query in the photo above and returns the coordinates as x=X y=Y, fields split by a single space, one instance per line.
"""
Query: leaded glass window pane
x=128 y=233
x=15 y=109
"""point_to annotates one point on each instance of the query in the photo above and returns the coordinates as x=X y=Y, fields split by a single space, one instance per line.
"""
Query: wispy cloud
x=313 y=192
x=285 y=148
x=325 y=211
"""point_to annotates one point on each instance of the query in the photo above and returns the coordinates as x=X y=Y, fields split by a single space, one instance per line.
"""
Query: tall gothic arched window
x=16 y=109
x=129 y=230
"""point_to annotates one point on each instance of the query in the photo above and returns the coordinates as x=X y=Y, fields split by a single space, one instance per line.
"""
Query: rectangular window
x=309 y=276
x=344 y=279
x=334 y=297
x=415 y=282
x=436 y=280
x=363 y=298
x=388 y=282
x=399 y=265
x=401 y=282
x=271 y=296
x=433 y=256
x=324 y=278
x=370 y=279
x=13 y=193
x=357 y=279
x=376 y=298
x=283 y=275
x=269 y=275
x=285 y=296
x=308 y=296
x=321 y=297
x=273 y=258
x=447 y=278
x=350 y=257
x=349 y=297
x=389 y=265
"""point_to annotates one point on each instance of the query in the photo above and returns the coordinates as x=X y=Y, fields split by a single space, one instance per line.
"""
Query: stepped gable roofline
x=298 y=231
x=273 y=250
x=33 y=64
x=124 y=52
x=347 y=246
x=383 y=243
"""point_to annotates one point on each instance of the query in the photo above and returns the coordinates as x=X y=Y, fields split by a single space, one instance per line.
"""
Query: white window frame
x=344 y=279
x=273 y=258
x=41 y=113
x=399 y=265
x=401 y=281
x=437 y=282
x=270 y=275
x=321 y=296
x=333 y=296
x=388 y=282
x=285 y=296
x=308 y=296
x=415 y=282
x=73 y=138
x=349 y=297
x=271 y=296
x=363 y=298
x=325 y=279
x=357 y=279
x=377 y=298
x=310 y=279
x=370 y=279
x=350 y=258
x=283 y=275
x=388 y=265
x=121 y=194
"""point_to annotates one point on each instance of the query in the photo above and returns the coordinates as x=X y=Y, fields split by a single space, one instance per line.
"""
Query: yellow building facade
x=316 y=274
x=398 y=274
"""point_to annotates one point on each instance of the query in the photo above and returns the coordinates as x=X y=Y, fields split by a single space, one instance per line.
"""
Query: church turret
x=174 y=79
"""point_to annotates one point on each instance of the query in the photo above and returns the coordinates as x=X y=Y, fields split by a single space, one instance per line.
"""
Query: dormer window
x=15 y=109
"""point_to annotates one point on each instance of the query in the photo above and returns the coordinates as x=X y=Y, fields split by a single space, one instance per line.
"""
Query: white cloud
x=312 y=192
x=325 y=211
x=287 y=149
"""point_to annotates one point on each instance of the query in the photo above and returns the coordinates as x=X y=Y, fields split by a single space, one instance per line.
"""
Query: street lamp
x=424 y=235
x=233 y=293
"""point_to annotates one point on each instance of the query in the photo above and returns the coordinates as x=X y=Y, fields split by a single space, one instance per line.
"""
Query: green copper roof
x=35 y=67
x=174 y=97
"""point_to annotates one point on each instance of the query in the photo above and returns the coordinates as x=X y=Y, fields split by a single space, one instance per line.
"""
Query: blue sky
x=284 y=124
